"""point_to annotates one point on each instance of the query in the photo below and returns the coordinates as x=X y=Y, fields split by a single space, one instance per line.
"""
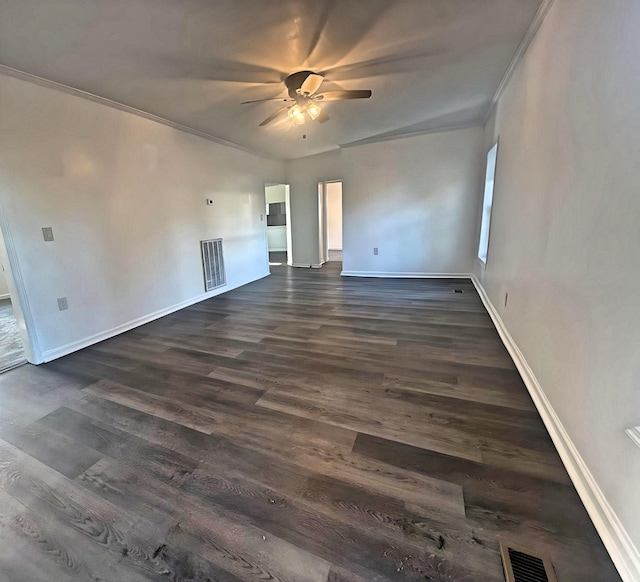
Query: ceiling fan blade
x=311 y=84
x=285 y=99
x=338 y=28
x=200 y=67
x=273 y=116
x=322 y=117
x=340 y=95
x=387 y=65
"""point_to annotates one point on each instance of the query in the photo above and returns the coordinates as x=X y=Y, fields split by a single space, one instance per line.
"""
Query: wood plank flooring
x=301 y=428
x=11 y=348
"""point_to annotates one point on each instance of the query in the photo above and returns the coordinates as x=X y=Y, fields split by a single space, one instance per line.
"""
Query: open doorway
x=330 y=215
x=278 y=208
x=12 y=352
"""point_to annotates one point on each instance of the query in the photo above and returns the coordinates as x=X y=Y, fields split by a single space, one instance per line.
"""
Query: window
x=483 y=247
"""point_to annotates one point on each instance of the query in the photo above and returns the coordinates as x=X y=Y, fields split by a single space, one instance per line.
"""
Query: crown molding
x=24 y=76
x=519 y=54
x=383 y=138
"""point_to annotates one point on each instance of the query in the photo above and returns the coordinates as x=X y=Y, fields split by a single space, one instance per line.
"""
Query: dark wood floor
x=302 y=428
x=11 y=348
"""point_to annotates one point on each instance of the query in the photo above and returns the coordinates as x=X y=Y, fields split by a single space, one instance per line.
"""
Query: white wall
x=416 y=200
x=275 y=193
x=277 y=238
x=565 y=241
x=409 y=197
x=334 y=216
x=303 y=176
x=126 y=199
x=276 y=235
x=4 y=266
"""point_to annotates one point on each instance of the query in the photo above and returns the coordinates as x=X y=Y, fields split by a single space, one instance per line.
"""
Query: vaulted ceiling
x=429 y=63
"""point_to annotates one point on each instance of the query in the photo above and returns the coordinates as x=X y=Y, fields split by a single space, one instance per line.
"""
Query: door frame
x=19 y=298
x=287 y=209
x=323 y=224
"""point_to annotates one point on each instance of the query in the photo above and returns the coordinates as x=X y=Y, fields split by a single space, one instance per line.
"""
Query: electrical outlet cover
x=47 y=233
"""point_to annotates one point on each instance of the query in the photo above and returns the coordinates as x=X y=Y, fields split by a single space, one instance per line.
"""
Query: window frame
x=484 y=237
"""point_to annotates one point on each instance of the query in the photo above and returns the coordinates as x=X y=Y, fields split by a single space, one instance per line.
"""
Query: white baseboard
x=55 y=353
x=405 y=275
x=621 y=548
x=307 y=265
x=5 y=296
x=278 y=250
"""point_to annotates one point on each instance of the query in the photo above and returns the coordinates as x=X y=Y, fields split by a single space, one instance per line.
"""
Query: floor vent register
x=520 y=565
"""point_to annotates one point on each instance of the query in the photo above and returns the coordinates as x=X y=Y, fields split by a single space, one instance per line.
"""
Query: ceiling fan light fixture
x=313 y=109
x=302 y=88
x=296 y=114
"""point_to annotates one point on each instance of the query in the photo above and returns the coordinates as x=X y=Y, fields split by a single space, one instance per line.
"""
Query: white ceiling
x=430 y=63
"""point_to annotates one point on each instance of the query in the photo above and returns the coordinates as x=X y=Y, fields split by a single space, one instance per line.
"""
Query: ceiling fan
x=304 y=100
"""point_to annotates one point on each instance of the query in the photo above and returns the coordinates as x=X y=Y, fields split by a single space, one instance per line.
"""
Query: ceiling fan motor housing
x=294 y=81
x=302 y=88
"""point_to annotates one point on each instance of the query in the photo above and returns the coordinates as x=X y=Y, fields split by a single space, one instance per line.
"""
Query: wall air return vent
x=213 y=264
x=520 y=565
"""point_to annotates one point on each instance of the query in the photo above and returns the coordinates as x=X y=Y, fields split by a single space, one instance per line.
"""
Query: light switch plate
x=62 y=303
x=47 y=233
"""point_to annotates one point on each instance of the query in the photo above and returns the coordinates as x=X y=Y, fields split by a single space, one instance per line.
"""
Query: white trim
x=519 y=54
x=634 y=434
x=278 y=250
x=306 y=265
x=287 y=209
x=28 y=335
x=5 y=296
x=14 y=366
x=623 y=552
x=386 y=137
x=18 y=74
x=405 y=275
x=54 y=353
